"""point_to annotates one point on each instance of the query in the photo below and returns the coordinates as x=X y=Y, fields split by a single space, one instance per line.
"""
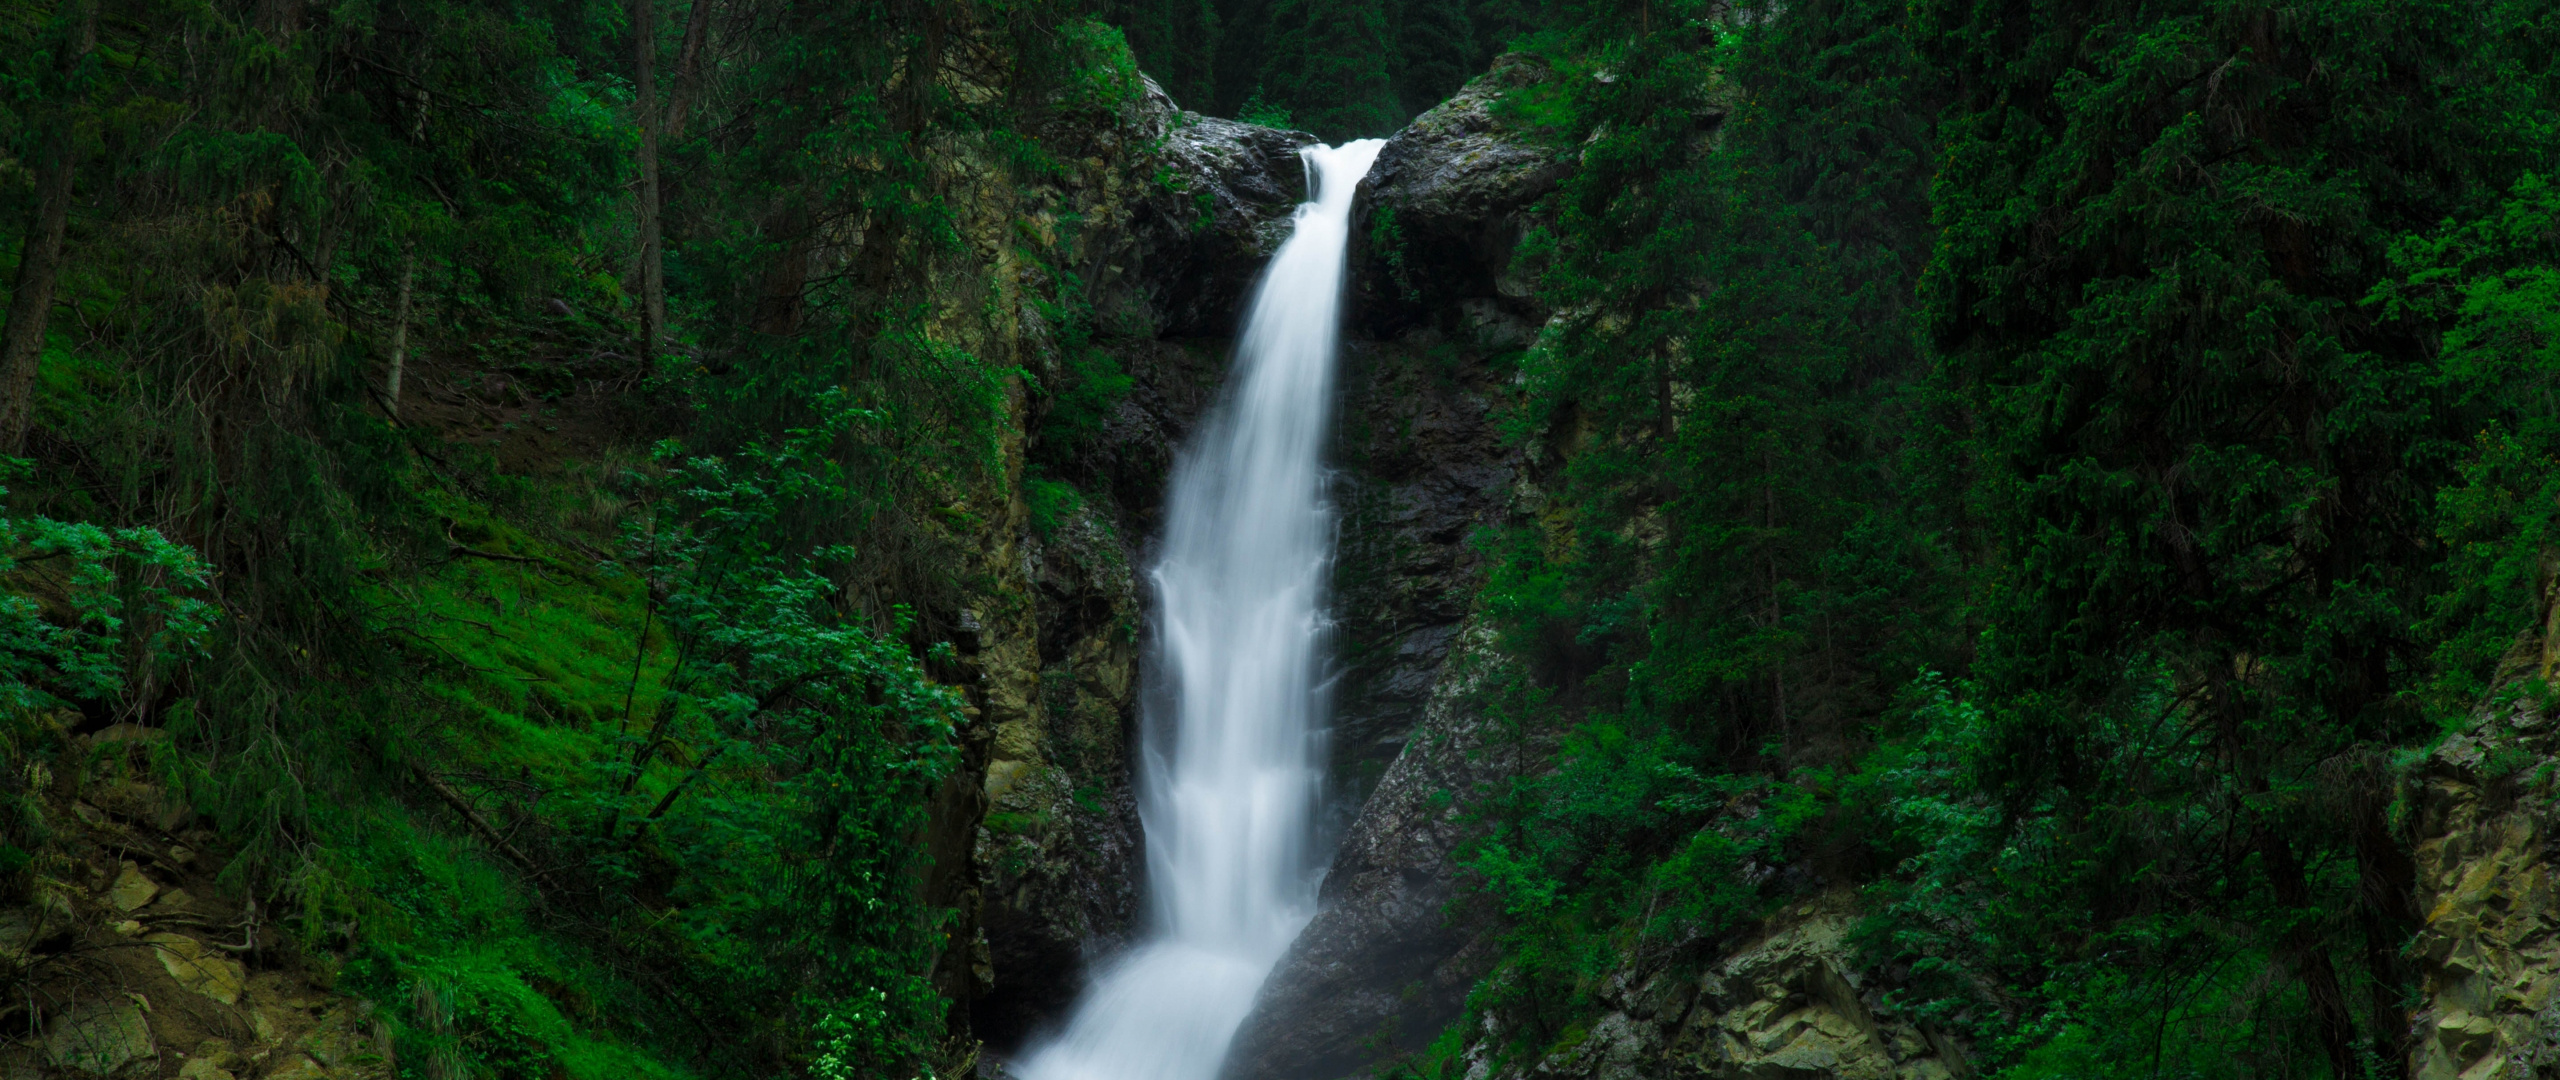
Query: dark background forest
x=2056 y=468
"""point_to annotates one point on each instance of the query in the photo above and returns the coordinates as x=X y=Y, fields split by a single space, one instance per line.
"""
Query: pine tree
x=1436 y=51
x=1176 y=41
x=1326 y=61
x=2211 y=471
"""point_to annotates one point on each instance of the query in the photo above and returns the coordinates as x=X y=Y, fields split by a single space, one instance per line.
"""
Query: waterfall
x=1230 y=773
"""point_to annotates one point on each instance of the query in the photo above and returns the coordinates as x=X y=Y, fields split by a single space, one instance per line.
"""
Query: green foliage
x=2211 y=474
x=707 y=748
x=1087 y=383
x=2227 y=420
x=125 y=608
x=807 y=739
x=1327 y=61
x=1622 y=852
x=1101 y=73
x=1177 y=42
x=2494 y=283
x=1989 y=919
x=1340 y=68
x=1256 y=110
x=1731 y=576
x=1387 y=238
x=1052 y=502
x=1436 y=51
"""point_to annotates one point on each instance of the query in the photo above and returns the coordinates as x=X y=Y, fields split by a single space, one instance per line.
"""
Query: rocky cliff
x=1384 y=966
x=1791 y=1002
x=2482 y=807
x=1169 y=239
x=1162 y=224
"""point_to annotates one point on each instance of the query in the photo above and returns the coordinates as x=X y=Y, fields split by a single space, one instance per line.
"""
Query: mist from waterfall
x=1230 y=773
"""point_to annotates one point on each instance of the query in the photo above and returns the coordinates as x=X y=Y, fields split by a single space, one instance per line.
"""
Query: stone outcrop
x=1442 y=214
x=1383 y=968
x=1421 y=469
x=1185 y=212
x=1220 y=206
x=1791 y=1004
x=2488 y=956
x=128 y=956
x=1059 y=850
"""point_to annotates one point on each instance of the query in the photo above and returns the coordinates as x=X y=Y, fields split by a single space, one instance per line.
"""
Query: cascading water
x=1229 y=780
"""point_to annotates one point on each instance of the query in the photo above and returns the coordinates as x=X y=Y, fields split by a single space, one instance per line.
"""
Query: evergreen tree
x=1243 y=46
x=1436 y=51
x=1176 y=41
x=1326 y=61
x=1736 y=576
x=2211 y=475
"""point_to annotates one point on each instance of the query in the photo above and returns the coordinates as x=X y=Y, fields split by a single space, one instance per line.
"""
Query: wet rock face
x=1173 y=383
x=1421 y=469
x=1059 y=849
x=1442 y=215
x=1383 y=968
x=1208 y=203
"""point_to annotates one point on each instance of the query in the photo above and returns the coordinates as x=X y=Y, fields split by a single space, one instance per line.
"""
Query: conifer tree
x=1436 y=51
x=1326 y=61
x=2212 y=472
x=1176 y=41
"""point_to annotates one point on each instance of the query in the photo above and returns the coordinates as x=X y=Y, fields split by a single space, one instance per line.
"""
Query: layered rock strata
x=2488 y=955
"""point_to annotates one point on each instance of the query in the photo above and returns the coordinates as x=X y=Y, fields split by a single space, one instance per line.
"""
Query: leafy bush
x=122 y=609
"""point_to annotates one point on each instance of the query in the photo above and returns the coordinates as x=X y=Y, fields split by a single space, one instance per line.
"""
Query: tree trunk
x=2306 y=952
x=2387 y=882
x=697 y=26
x=40 y=254
x=778 y=303
x=653 y=297
x=400 y=332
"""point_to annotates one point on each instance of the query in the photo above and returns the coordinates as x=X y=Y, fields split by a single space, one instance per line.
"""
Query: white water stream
x=1228 y=781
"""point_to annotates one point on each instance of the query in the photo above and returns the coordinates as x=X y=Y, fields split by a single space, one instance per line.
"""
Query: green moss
x=1052 y=503
x=1011 y=823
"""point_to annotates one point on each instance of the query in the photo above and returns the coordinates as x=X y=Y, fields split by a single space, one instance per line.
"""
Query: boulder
x=1442 y=215
x=1790 y=1004
x=102 y=1038
x=131 y=889
x=2488 y=894
x=1206 y=204
x=204 y=970
x=1383 y=967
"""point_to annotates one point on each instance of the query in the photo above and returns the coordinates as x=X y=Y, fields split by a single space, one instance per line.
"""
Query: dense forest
x=515 y=509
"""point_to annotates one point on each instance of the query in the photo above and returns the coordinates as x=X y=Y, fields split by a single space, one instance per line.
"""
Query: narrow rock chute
x=1232 y=772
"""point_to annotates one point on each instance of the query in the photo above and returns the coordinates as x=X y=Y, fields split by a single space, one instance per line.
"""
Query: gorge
x=1230 y=776
x=1652 y=541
